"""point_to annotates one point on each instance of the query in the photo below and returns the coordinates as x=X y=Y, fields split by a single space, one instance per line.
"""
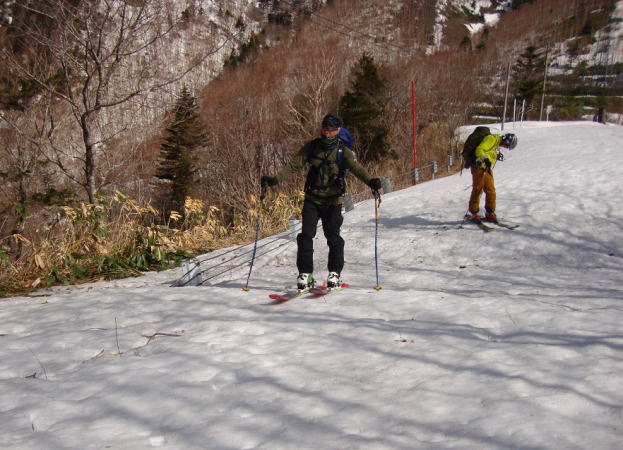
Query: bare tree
x=101 y=58
x=314 y=97
x=26 y=177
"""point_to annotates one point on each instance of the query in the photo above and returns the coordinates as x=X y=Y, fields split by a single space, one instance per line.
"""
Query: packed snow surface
x=507 y=339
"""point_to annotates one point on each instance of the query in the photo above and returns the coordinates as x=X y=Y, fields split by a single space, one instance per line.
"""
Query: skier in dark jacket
x=324 y=190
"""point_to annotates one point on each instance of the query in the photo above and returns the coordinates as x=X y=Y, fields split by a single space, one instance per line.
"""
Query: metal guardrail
x=195 y=275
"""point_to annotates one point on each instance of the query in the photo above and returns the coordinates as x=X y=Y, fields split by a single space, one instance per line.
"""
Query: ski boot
x=305 y=281
x=334 y=280
x=491 y=217
x=473 y=217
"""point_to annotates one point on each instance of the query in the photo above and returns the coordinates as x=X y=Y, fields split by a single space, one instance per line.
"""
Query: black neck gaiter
x=329 y=142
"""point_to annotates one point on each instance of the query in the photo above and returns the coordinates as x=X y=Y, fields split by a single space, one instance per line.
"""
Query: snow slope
x=510 y=339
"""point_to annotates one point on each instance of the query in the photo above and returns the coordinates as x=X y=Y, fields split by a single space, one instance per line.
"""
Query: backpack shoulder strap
x=311 y=148
x=341 y=168
x=340 y=161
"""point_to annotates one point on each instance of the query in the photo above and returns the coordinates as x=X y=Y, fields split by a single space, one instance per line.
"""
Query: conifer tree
x=362 y=110
x=185 y=134
x=528 y=74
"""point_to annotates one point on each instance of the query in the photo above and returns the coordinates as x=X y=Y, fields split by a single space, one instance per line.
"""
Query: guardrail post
x=294 y=222
x=415 y=175
x=386 y=184
x=348 y=204
x=192 y=276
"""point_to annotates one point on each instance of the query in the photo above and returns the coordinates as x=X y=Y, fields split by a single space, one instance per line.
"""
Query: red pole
x=413 y=123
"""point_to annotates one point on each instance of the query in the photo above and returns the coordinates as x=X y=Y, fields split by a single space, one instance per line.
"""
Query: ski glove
x=483 y=163
x=268 y=181
x=375 y=184
x=500 y=157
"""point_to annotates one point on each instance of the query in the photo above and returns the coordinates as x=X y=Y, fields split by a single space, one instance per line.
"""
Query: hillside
x=509 y=339
x=89 y=93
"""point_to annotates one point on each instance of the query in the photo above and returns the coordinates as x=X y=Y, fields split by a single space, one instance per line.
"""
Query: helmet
x=509 y=140
x=331 y=122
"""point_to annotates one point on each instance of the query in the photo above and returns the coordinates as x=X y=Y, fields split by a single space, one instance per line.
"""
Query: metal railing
x=206 y=269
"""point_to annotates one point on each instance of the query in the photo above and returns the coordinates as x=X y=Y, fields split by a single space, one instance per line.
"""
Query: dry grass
x=118 y=237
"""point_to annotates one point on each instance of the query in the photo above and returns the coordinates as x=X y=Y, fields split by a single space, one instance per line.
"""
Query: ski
x=286 y=296
x=324 y=290
x=503 y=224
x=479 y=224
x=317 y=291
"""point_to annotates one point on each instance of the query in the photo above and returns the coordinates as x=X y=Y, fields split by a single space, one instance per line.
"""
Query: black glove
x=268 y=181
x=483 y=163
x=375 y=184
x=500 y=157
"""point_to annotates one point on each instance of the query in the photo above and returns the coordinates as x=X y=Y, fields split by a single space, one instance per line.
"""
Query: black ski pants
x=331 y=217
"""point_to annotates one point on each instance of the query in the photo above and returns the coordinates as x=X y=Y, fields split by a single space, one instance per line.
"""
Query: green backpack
x=469 y=148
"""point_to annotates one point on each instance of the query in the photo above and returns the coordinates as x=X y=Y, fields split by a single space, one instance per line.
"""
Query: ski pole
x=377 y=203
x=257 y=235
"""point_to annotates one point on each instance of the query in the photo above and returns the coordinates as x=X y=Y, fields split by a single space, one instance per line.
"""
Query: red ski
x=278 y=299
x=324 y=290
x=288 y=295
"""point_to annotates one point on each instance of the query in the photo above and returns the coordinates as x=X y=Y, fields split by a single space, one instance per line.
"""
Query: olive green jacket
x=322 y=185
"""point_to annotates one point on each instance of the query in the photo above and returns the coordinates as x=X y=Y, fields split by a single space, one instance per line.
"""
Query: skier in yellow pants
x=486 y=155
